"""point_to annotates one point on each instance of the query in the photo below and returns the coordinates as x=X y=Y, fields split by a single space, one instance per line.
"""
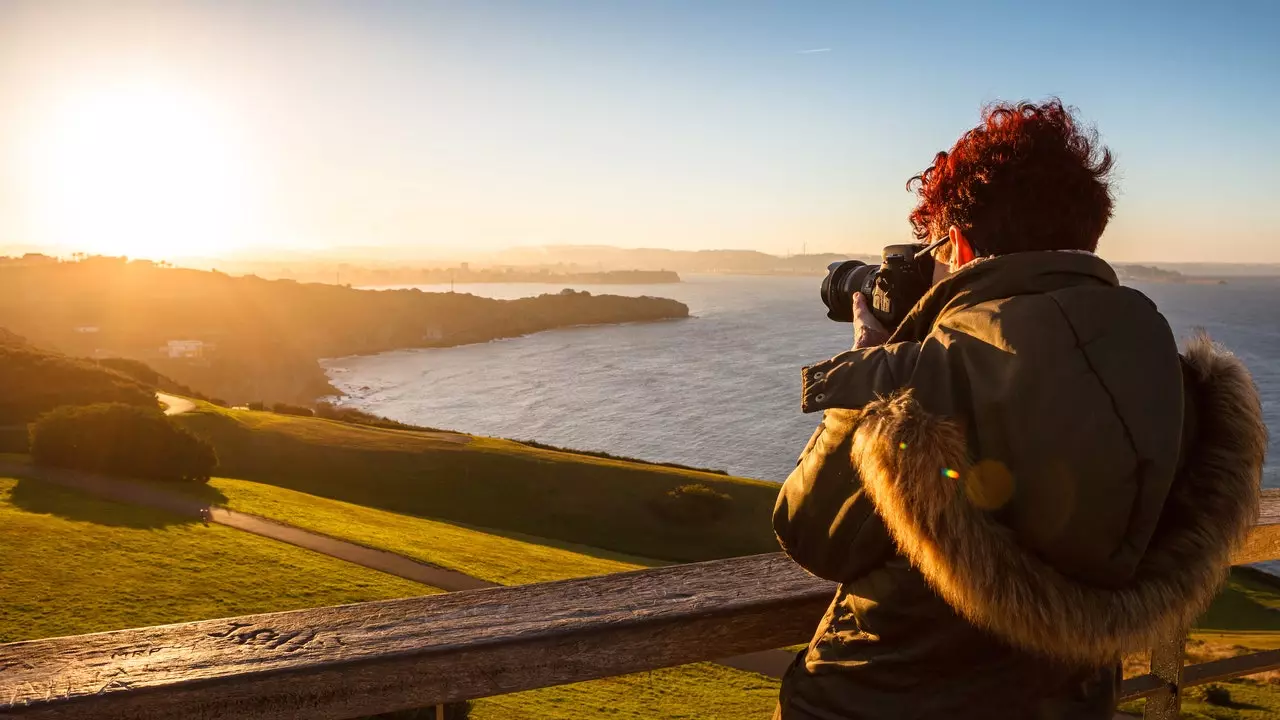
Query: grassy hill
x=72 y=564
x=496 y=484
x=506 y=559
x=33 y=381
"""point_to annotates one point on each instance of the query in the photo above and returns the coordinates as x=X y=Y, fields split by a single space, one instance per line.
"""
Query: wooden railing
x=354 y=660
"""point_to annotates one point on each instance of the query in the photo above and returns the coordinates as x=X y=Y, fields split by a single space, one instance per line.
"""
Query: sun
x=141 y=171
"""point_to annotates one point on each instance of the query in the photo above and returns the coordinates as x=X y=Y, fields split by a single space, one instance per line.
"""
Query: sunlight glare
x=140 y=171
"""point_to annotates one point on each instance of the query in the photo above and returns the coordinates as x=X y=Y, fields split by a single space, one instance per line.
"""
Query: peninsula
x=243 y=339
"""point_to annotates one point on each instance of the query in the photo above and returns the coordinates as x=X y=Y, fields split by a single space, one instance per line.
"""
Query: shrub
x=1218 y=695
x=118 y=439
x=259 y=406
x=694 y=503
x=287 y=409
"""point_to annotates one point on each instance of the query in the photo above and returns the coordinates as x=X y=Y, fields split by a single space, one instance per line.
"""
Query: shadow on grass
x=38 y=496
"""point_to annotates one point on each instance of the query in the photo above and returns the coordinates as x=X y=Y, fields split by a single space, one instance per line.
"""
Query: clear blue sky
x=679 y=124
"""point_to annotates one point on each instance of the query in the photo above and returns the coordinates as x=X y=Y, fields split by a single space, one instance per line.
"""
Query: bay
x=720 y=389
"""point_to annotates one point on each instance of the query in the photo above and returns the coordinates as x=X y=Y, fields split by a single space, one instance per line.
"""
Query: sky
x=177 y=127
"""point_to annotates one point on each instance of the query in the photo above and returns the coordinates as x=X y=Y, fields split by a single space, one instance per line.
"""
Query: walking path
x=174 y=405
x=768 y=662
x=137 y=493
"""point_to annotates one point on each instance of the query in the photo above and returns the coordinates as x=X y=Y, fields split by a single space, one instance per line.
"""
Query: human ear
x=961 y=250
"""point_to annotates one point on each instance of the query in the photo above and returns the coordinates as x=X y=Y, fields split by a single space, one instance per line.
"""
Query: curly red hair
x=1028 y=177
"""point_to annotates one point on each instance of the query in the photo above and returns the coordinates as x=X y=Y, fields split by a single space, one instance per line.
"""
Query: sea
x=719 y=390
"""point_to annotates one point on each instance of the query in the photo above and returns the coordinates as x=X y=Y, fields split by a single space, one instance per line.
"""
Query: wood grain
x=352 y=660
x=342 y=662
x=1147 y=685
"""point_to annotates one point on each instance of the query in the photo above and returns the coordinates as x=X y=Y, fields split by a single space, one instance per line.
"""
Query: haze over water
x=720 y=390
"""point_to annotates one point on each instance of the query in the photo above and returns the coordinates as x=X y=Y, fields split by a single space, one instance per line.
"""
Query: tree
x=693 y=504
x=119 y=439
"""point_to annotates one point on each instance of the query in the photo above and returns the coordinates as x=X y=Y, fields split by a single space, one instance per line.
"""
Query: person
x=1024 y=480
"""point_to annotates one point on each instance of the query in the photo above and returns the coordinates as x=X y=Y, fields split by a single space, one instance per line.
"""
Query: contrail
x=813 y=51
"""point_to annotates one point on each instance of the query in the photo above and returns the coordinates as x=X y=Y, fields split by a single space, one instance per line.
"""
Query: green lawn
x=692 y=692
x=71 y=564
x=1233 y=700
x=489 y=483
x=505 y=559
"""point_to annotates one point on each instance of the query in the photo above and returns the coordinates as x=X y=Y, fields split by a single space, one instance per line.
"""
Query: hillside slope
x=497 y=484
x=33 y=381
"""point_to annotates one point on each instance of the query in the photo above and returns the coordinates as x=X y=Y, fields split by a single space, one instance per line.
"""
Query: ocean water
x=719 y=390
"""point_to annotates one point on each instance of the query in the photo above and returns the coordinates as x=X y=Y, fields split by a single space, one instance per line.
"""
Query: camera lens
x=842 y=281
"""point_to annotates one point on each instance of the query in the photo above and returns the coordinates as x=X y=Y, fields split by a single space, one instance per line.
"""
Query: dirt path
x=137 y=493
x=174 y=405
x=768 y=662
x=387 y=562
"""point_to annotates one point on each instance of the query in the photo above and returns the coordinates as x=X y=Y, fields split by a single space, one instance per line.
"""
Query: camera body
x=891 y=288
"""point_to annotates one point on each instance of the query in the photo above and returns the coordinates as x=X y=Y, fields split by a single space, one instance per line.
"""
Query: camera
x=891 y=288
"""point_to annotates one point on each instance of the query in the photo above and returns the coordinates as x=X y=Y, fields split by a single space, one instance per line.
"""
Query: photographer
x=1020 y=479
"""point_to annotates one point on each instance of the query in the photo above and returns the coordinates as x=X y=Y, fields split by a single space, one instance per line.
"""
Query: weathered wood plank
x=1166 y=666
x=1264 y=541
x=1147 y=685
x=353 y=660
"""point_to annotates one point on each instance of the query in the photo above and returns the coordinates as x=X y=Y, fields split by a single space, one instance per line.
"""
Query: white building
x=184 y=349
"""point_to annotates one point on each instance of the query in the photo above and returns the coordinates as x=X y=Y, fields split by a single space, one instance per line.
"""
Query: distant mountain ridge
x=745 y=262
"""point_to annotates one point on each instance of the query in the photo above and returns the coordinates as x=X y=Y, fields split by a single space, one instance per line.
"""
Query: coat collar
x=1024 y=273
x=835 y=383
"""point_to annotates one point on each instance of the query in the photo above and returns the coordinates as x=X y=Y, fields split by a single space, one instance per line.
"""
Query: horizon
x=216 y=130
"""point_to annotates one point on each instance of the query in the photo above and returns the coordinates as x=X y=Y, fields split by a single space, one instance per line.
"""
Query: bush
x=259 y=406
x=118 y=439
x=287 y=409
x=693 y=504
x=1219 y=695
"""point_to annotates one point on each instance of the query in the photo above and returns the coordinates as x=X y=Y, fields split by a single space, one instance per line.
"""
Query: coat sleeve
x=823 y=518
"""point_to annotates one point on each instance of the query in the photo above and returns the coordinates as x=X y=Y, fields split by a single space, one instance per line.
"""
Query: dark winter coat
x=1025 y=483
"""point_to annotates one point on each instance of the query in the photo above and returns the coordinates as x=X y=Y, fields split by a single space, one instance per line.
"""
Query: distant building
x=184 y=349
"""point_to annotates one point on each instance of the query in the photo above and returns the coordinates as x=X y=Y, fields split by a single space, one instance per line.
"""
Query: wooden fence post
x=1166 y=664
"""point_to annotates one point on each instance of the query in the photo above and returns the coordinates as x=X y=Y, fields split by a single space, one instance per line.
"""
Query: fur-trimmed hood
x=914 y=466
